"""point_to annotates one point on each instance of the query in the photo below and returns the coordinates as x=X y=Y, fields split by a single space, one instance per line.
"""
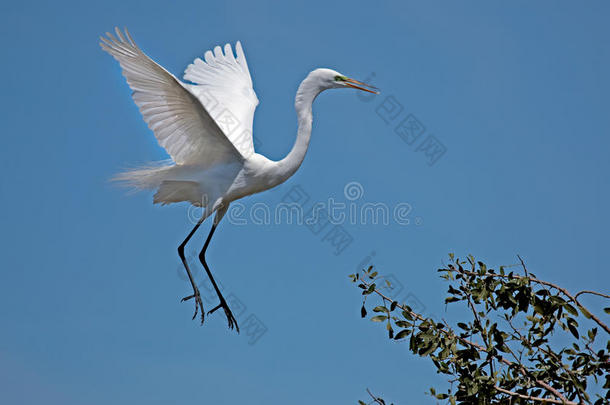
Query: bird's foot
x=198 y=303
x=230 y=318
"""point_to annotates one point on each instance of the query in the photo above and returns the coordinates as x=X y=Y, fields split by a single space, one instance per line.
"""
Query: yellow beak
x=361 y=86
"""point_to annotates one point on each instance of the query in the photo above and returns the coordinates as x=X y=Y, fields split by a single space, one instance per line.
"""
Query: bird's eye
x=339 y=78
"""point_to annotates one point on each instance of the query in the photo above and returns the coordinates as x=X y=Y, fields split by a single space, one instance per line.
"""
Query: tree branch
x=562 y=399
x=375 y=399
x=539 y=399
x=548 y=284
x=591 y=292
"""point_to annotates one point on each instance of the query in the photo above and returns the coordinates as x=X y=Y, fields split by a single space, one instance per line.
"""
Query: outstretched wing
x=179 y=121
x=224 y=87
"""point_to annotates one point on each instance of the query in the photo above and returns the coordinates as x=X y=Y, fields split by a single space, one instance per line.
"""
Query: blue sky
x=89 y=291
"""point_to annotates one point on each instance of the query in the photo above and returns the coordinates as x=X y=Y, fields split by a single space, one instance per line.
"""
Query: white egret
x=213 y=162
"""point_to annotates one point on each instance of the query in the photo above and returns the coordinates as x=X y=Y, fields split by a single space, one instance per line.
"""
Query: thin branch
x=539 y=399
x=523 y=265
x=375 y=399
x=479 y=326
x=591 y=292
x=557 y=359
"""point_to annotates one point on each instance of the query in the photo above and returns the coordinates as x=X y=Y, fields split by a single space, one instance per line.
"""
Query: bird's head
x=331 y=79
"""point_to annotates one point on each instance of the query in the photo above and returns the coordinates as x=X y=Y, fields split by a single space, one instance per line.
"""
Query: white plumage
x=224 y=87
x=206 y=128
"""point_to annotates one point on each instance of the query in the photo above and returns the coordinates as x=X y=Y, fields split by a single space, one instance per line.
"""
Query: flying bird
x=206 y=128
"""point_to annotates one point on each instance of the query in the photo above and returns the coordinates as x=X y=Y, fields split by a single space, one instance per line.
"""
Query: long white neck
x=306 y=94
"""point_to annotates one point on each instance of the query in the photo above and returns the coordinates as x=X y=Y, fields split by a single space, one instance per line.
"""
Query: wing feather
x=178 y=119
x=224 y=86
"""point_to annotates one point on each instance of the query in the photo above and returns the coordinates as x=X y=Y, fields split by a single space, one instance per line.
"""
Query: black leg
x=223 y=304
x=196 y=295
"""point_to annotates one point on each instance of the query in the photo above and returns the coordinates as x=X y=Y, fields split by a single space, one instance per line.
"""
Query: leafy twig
x=562 y=399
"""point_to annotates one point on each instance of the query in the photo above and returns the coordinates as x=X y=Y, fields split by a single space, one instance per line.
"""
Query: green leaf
x=539 y=342
x=607 y=310
x=379 y=318
x=586 y=313
x=402 y=334
x=453 y=291
x=380 y=308
x=363 y=311
x=558 y=300
x=429 y=349
x=571 y=309
x=572 y=324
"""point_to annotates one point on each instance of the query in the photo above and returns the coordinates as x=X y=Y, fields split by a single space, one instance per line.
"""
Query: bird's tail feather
x=173 y=191
x=147 y=177
x=163 y=177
